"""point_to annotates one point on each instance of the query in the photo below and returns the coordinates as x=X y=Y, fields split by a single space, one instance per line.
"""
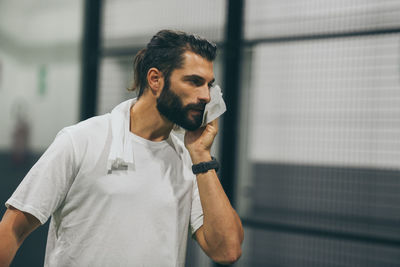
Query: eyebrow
x=197 y=77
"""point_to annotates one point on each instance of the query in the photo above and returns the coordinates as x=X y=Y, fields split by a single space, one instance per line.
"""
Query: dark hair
x=165 y=52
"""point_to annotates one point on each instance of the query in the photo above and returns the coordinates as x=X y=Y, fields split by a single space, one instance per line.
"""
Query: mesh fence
x=323 y=137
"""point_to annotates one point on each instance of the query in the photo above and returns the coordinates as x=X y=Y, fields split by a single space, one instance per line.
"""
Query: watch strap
x=203 y=167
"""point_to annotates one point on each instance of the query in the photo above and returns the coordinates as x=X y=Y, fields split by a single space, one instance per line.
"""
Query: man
x=120 y=187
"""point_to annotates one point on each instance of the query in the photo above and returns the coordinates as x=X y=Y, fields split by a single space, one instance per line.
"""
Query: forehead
x=195 y=64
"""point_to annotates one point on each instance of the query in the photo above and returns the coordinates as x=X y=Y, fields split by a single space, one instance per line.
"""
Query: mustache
x=198 y=106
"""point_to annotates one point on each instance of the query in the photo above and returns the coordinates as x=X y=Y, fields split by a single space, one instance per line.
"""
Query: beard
x=170 y=106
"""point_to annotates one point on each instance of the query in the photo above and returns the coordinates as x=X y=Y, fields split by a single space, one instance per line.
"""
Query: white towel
x=121 y=152
x=216 y=107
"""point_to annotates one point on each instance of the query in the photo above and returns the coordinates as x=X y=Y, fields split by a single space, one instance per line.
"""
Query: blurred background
x=310 y=144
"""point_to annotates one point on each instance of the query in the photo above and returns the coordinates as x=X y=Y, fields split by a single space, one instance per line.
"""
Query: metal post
x=232 y=60
x=90 y=58
x=232 y=81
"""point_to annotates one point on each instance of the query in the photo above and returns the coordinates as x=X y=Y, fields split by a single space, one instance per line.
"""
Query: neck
x=147 y=122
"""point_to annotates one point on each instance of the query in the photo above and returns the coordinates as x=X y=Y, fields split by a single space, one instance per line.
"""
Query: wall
x=40 y=68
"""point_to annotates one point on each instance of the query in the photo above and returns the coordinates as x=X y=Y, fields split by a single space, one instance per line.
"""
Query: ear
x=155 y=80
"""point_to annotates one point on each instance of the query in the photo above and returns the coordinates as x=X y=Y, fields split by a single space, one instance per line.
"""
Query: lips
x=198 y=110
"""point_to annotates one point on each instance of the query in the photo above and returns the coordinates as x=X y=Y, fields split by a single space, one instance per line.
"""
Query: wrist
x=200 y=157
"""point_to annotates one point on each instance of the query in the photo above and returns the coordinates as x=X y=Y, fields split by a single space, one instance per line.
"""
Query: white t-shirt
x=137 y=214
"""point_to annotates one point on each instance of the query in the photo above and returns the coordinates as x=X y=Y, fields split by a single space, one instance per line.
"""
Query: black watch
x=203 y=167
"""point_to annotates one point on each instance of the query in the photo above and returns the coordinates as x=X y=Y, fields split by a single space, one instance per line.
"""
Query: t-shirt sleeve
x=45 y=186
x=196 y=216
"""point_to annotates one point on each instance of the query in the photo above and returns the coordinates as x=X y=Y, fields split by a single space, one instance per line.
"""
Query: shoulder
x=87 y=128
x=90 y=125
x=92 y=131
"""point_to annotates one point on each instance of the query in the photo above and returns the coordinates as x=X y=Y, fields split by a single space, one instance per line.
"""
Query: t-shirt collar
x=121 y=151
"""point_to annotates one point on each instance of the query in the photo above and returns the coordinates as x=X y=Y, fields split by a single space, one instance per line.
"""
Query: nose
x=205 y=94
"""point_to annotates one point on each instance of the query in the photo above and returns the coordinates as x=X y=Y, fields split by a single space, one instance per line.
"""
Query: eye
x=210 y=85
x=196 y=82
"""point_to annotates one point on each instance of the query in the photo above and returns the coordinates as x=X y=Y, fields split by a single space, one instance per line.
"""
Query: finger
x=214 y=124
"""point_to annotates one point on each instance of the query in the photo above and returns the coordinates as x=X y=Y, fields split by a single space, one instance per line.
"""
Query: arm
x=221 y=234
x=14 y=228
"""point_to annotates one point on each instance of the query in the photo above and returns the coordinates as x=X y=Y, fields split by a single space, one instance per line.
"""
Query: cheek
x=188 y=99
x=187 y=95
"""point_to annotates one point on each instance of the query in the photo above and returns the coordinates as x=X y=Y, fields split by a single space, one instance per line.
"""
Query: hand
x=199 y=142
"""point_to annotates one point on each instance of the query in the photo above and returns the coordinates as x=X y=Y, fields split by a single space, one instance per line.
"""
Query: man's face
x=186 y=92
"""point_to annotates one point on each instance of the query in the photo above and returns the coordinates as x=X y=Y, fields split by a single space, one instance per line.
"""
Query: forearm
x=8 y=246
x=222 y=228
x=14 y=228
x=221 y=222
x=221 y=234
